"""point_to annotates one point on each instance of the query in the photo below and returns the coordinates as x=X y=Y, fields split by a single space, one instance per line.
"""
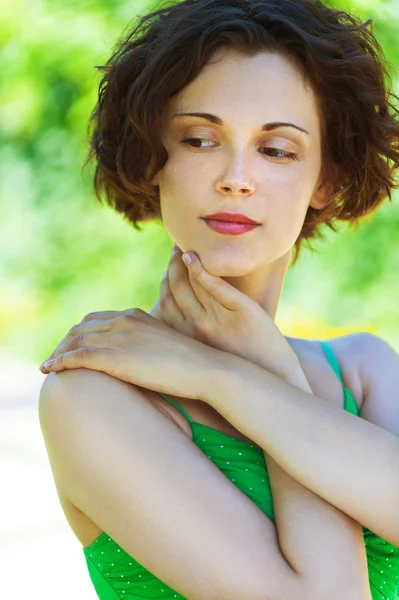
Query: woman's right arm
x=133 y=472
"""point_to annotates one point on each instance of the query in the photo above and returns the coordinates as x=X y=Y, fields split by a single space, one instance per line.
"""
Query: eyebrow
x=218 y=121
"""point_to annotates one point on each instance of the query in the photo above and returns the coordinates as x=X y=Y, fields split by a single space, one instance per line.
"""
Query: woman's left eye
x=285 y=154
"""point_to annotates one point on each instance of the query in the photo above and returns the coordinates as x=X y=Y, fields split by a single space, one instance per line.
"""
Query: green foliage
x=64 y=255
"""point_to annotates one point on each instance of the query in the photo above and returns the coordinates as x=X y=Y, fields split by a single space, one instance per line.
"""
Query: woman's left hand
x=137 y=348
x=207 y=308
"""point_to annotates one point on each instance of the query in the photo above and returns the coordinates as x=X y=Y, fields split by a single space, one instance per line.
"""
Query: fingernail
x=48 y=363
x=187 y=259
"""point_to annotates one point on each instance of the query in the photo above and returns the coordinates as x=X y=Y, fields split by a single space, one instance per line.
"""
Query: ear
x=321 y=196
x=322 y=193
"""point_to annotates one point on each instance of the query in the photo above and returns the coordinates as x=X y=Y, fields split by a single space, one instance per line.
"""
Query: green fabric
x=115 y=574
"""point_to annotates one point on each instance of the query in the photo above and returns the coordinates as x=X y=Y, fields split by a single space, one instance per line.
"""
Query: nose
x=235 y=184
x=235 y=188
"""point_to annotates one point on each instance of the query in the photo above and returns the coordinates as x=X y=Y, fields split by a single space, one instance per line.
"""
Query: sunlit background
x=62 y=255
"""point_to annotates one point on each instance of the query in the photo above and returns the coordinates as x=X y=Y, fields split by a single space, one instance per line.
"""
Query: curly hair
x=336 y=54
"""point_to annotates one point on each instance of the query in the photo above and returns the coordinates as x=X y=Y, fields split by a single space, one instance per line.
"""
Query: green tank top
x=115 y=574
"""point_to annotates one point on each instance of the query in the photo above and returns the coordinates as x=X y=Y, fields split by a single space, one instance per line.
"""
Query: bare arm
x=310 y=438
x=150 y=488
x=312 y=532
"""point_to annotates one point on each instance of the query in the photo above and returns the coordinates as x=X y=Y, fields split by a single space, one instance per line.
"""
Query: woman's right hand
x=207 y=308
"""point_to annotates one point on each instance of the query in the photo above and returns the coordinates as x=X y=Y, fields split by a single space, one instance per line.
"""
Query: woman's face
x=238 y=167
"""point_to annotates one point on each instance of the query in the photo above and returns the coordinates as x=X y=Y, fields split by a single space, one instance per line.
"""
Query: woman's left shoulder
x=377 y=364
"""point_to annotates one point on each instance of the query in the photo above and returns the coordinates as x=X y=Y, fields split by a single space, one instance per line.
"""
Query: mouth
x=230 y=227
x=231 y=218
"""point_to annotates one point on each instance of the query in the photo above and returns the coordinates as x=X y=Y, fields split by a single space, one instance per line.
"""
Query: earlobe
x=322 y=195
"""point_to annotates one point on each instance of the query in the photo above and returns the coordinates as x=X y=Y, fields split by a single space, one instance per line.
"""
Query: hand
x=134 y=347
x=208 y=309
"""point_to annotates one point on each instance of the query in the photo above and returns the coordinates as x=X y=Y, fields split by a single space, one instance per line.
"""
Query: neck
x=264 y=286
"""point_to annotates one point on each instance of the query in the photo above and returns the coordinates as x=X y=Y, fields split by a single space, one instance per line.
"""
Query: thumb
x=219 y=289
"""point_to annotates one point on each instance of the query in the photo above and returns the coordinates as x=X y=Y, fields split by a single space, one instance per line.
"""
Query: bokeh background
x=62 y=255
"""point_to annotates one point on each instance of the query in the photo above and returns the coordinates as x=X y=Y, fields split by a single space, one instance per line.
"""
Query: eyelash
x=290 y=155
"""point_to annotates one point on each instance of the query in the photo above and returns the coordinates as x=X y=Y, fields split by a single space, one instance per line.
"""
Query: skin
x=238 y=168
x=233 y=169
x=255 y=264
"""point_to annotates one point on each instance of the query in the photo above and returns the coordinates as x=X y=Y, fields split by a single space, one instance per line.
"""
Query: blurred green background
x=64 y=255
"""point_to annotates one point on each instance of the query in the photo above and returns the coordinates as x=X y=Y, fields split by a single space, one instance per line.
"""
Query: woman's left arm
x=351 y=462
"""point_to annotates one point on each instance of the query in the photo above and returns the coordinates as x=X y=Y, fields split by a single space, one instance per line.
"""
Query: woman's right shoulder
x=84 y=385
x=85 y=382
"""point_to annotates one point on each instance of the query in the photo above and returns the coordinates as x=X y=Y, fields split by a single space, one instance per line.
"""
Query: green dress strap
x=332 y=359
x=178 y=407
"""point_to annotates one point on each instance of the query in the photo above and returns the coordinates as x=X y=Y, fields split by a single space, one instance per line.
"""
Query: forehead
x=239 y=88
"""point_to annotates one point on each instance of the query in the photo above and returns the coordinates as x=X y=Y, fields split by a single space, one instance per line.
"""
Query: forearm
x=317 y=539
x=311 y=440
x=312 y=533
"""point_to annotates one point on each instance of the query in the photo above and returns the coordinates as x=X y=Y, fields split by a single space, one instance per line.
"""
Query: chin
x=224 y=267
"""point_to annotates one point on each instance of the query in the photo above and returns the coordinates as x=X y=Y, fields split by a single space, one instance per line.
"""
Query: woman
x=197 y=452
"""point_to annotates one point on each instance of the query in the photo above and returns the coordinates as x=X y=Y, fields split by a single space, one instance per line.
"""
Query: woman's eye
x=188 y=140
x=281 y=153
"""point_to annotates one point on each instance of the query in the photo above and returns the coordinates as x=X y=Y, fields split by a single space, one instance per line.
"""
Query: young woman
x=197 y=452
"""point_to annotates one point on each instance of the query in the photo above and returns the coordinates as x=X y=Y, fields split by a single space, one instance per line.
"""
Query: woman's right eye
x=189 y=140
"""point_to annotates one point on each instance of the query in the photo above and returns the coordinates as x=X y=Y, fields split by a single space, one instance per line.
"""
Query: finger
x=82 y=328
x=170 y=310
x=95 y=340
x=101 y=314
x=97 y=359
x=94 y=316
x=220 y=290
x=182 y=291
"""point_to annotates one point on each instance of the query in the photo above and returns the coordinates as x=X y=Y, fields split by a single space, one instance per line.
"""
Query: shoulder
x=378 y=365
x=376 y=358
x=369 y=366
x=319 y=372
x=375 y=364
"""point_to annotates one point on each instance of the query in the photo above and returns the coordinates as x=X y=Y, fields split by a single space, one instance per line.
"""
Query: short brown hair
x=336 y=53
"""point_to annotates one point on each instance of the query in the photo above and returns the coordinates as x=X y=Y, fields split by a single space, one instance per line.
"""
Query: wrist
x=228 y=371
x=215 y=379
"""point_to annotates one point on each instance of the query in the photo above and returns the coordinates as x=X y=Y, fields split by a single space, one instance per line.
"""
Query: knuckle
x=164 y=301
x=83 y=352
x=90 y=316
x=74 y=330
x=78 y=339
x=129 y=318
x=203 y=326
x=214 y=287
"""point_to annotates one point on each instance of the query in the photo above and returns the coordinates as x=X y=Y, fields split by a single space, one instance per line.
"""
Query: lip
x=231 y=218
x=230 y=228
